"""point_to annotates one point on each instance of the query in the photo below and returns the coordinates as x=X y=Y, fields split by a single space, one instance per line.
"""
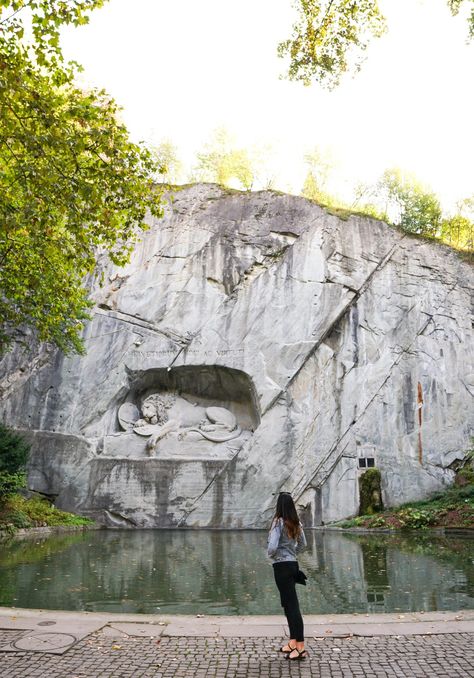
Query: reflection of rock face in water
x=226 y=572
x=332 y=344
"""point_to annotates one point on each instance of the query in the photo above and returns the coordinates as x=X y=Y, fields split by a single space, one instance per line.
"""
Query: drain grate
x=46 y=623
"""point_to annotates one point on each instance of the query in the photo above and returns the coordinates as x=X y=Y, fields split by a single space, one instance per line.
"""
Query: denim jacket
x=280 y=546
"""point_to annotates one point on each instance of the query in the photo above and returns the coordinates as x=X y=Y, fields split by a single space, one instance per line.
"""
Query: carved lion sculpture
x=166 y=413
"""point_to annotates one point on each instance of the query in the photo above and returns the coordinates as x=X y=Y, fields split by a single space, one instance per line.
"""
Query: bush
x=411 y=517
x=19 y=519
x=36 y=512
x=379 y=521
x=10 y=483
x=465 y=476
x=13 y=456
x=13 y=451
x=466 y=492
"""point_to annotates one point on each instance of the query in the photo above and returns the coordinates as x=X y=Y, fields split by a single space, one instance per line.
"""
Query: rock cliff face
x=255 y=343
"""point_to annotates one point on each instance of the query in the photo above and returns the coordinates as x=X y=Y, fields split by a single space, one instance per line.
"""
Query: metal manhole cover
x=46 y=623
x=44 y=642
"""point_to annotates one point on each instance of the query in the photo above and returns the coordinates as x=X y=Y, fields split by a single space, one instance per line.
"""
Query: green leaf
x=70 y=181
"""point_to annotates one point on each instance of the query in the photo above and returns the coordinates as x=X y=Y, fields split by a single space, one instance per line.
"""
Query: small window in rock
x=366 y=462
x=370 y=462
x=362 y=462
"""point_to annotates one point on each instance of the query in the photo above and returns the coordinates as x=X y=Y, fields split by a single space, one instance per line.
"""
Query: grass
x=451 y=508
x=17 y=512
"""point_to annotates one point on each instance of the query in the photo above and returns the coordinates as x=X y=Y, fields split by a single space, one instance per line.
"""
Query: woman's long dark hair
x=286 y=510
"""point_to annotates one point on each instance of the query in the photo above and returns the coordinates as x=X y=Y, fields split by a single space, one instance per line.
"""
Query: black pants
x=285 y=573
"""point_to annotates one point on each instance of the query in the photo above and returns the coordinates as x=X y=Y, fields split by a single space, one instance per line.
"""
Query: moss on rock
x=370 y=492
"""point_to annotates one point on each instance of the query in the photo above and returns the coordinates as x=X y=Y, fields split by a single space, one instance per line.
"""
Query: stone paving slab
x=409 y=628
x=14 y=623
x=46 y=632
x=18 y=616
x=112 y=632
x=189 y=629
x=325 y=630
x=139 y=630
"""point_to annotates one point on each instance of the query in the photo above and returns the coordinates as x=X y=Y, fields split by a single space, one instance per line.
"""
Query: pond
x=226 y=572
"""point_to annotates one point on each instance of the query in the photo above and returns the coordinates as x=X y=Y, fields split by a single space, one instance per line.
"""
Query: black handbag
x=300 y=577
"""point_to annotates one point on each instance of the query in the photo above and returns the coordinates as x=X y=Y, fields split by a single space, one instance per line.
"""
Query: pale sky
x=181 y=69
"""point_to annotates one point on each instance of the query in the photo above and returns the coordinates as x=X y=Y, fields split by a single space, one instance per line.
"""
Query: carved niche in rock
x=195 y=412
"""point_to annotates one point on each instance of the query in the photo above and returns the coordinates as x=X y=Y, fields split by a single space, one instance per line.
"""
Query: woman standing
x=285 y=540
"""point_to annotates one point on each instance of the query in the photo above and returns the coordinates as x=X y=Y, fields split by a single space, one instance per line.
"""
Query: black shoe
x=287 y=651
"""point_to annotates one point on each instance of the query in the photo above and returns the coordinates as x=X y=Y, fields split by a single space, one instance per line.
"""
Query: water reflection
x=213 y=572
x=374 y=555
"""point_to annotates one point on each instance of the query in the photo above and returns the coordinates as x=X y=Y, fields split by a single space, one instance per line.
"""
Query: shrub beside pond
x=452 y=508
x=16 y=511
x=13 y=456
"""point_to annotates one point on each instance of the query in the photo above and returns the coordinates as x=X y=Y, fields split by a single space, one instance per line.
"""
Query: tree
x=414 y=208
x=71 y=181
x=263 y=166
x=330 y=37
x=14 y=451
x=365 y=201
x=320 y=165
x=166 y=154
x=13 y=457
x=458 y=230
x=455 y=6
x=222 y=162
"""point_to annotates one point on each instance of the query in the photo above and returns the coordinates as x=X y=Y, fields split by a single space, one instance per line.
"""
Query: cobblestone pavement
x=9 y=637
x=99 y=656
